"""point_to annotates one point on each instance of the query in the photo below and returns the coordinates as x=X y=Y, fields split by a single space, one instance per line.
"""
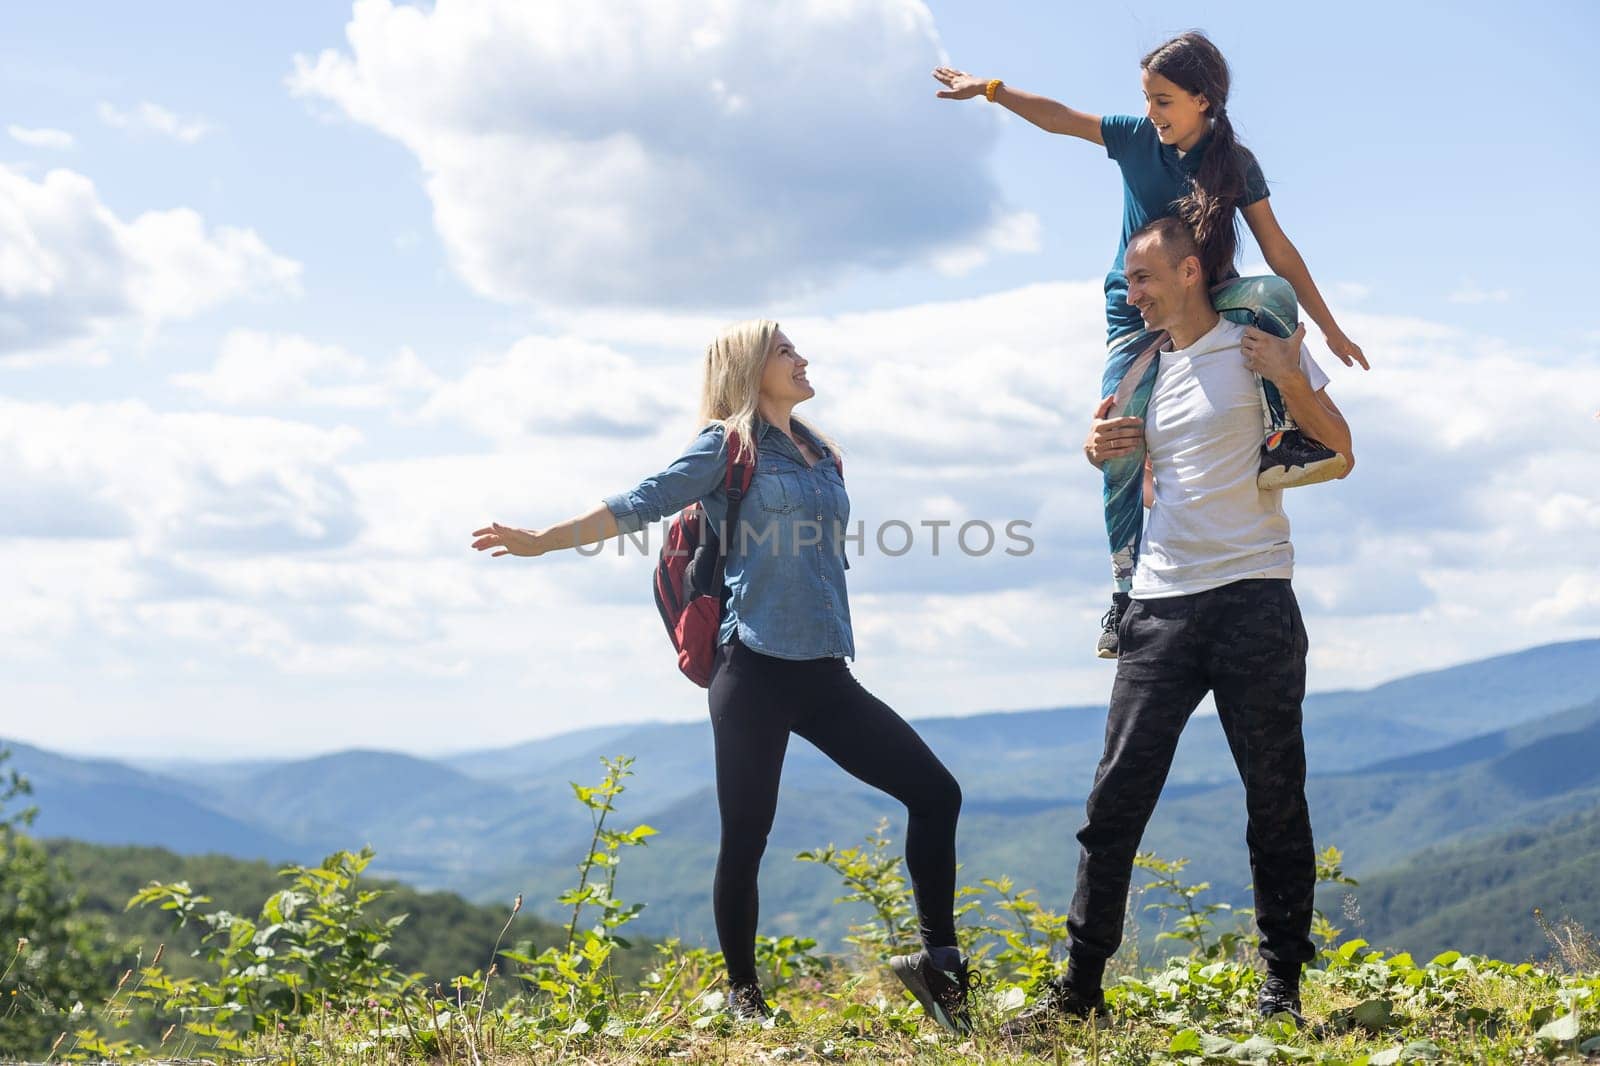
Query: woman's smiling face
x=784 y=378
x=1180 y=117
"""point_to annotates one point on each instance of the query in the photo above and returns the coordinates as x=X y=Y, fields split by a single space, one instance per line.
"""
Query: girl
x=784 y=638
x=1183 y=159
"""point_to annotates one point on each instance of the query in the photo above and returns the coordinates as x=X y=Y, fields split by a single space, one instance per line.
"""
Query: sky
x=294 y=297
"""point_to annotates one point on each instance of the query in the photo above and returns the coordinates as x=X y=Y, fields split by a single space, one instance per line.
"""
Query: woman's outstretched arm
x=1049 y=115
x=590 y=527
x=694 y=474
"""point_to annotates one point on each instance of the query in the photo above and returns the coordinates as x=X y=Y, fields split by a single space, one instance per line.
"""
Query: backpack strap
x=736 y=482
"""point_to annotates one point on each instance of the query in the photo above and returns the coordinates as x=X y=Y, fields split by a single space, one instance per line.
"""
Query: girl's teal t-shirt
x=1154 y=178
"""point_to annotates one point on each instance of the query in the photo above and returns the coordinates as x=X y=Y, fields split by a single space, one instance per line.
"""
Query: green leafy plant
x=58 y=960
x=577 y=976
x=874 y=876
x=311 y=950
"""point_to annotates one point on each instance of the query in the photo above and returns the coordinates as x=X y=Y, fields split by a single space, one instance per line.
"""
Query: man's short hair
x=1173 y=234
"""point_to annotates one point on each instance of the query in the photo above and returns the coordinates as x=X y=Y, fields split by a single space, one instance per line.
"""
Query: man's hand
x=1110 y=438
x=1275 y=358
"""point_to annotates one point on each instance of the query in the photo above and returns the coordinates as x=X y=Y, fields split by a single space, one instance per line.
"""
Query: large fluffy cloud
x=670 y=151
x=172 y=482
x=268 y=370
x=70 y=269
x=284 y=565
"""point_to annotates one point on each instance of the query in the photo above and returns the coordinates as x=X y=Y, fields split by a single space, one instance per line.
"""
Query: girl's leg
x=750 y=730
x=1289 y=457
x=872 y=743
x=1130 y=375
x=1268 y=303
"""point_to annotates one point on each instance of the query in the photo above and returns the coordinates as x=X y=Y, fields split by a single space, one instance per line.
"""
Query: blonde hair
x=731 y=389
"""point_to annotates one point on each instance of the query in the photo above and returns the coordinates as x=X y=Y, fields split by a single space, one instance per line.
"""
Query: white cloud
x=1350 y=292
x=550 y=387
x=666 y=152
x=56 y=140
x=264 y=369
x=148 y=118
x=1017 y=232
x=1470 y=292
x=167 y=482
x=71 y=271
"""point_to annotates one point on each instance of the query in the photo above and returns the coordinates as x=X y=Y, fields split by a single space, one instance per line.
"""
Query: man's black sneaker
x=747 y=1003
x=1279 y=996
x=1059 y=1002
x=1110 y=645
x=942 y=993
x=1289 y=459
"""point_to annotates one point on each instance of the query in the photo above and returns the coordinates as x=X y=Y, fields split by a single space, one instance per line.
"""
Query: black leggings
x=756 y=702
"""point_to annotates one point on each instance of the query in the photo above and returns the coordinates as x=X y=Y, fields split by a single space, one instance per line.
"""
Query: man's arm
x=1278 y=360
x=1110 y=438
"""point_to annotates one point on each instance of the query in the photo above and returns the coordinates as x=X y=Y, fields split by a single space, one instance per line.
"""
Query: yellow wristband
x=994 y=87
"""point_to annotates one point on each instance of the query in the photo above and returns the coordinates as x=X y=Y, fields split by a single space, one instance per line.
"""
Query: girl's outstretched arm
x=1047 y=114
x=1285 y=261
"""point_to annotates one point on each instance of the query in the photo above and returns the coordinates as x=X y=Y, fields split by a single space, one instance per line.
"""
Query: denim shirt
x=785 y=571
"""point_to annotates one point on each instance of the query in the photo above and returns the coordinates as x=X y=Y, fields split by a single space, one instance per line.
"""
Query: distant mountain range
x=1508 y=745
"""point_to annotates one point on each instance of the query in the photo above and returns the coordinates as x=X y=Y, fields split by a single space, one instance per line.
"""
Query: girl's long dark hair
x=1191 y=62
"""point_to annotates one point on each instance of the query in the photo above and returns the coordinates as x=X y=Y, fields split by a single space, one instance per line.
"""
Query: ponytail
x=1215 y=193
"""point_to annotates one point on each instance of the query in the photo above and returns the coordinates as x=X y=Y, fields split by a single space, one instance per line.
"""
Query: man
x=1212 y=610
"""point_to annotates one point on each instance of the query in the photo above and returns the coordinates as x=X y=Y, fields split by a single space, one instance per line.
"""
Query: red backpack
x=688 y=579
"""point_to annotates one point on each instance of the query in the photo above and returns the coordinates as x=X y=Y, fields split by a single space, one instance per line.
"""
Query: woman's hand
x=1110 y=438
x=959 y=85
x=509 y=540
x=1346 y=349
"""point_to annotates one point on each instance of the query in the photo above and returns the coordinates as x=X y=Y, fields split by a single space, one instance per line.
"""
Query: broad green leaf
x=1560 y=1031
x=1374 y=1014
x=1420 y=1051
x=1184 y=1040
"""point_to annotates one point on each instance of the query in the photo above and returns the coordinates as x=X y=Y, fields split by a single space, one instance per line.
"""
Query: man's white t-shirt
x=1209 y=524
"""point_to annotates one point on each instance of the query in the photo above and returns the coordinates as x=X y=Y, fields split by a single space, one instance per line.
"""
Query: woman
x=784 y=638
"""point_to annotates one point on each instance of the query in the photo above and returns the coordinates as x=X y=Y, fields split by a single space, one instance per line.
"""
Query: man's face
x=1156 y=286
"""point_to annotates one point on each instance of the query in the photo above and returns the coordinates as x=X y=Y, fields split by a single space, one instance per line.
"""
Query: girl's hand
x=1346 y=349
x=959 y=85
x=509 y=540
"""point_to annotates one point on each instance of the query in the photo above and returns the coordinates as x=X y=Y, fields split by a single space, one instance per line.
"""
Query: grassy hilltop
x=321 y=967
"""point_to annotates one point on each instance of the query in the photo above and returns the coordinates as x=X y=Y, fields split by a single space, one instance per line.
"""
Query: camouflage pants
x=1246 y=643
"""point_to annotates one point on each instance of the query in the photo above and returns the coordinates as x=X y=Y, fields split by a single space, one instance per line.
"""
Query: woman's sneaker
x=747 y=1003
x=942 y=993
x=1289 y=459
x=1059 y=1002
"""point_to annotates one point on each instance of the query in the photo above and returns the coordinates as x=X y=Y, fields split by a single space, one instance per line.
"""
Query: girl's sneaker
x=942 y=993
x=1110 y=645
x=1289 y=459
x=747 y=1003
